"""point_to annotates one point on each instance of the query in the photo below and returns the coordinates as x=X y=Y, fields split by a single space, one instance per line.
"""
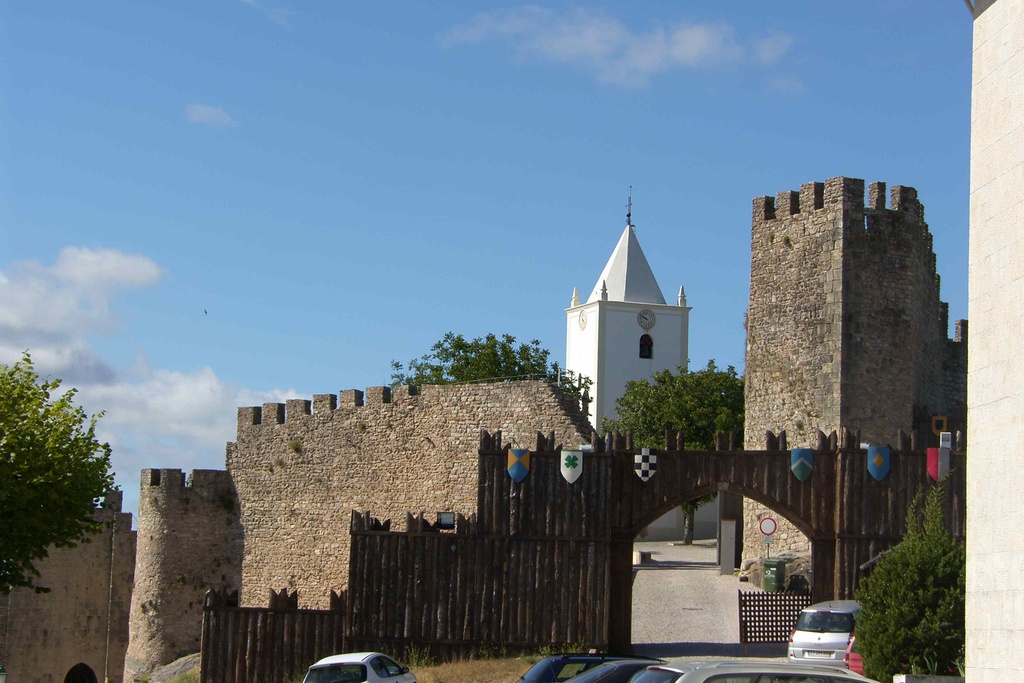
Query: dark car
x=563 y=667
x=618 y=671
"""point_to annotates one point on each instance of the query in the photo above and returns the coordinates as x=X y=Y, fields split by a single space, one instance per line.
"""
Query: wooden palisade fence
x=547 y=563
x=267 y=645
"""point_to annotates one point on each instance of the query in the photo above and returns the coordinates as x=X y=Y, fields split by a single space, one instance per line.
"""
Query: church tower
x=625 y=330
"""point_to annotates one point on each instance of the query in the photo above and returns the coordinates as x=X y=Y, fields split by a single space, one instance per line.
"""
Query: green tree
x=456 y=360
x=53 y=472
x=913 y=602
x=700 y=404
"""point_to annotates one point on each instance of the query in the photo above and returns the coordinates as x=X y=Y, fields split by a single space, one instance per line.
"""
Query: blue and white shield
x=802 y=463
x=645 y=464
x=571 y=465
x=518 y=463
x=878 y=462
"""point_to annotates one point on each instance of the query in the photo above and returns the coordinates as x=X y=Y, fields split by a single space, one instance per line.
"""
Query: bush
x=913 y=602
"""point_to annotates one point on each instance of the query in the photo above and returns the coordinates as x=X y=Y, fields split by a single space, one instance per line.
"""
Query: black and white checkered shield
x=645 y=464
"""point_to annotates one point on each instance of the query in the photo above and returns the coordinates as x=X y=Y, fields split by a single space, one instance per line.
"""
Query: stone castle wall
x=189 y=540
x=301 y=468
x=845 y=327
x=84 y=619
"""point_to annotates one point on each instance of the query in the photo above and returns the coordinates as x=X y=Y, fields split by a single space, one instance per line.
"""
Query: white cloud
x=52 y=309
x=207 y=115
x=608 y=48
x=278 y=15
x=153 y=417
x=773 y=48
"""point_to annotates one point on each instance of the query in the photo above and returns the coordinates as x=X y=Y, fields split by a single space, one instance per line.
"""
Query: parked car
x=617 y=671
x=746 y=671
x=854 y=662
x=822 y=632
x=359 y=667
x=563 y=667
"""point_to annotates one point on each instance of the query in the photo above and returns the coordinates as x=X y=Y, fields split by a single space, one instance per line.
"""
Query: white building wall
x=608 y=349
x=995 y=394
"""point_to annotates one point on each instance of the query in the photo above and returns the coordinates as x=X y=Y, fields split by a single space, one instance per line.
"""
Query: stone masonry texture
x=301 y=469
x=845 y=328
x=189 y=540
x=84 y=618
x=279 y=516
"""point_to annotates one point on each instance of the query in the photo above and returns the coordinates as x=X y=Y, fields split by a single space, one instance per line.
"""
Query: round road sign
x=768 y=526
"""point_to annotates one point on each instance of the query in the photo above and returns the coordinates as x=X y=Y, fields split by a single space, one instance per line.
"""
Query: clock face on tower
x=583 y=320
x=645 y=318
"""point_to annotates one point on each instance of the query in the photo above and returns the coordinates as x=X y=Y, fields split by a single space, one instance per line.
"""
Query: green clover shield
x=572 y=462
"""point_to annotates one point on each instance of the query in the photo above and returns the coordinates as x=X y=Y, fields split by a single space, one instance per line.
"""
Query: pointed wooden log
x=771 y=442
x=783 y=441
x=822 y=442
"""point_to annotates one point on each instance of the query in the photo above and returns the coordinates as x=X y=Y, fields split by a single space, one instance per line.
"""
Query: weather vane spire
x=629 y=207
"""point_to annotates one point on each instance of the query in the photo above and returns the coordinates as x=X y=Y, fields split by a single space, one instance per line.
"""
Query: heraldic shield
x=645 y=464
x=938 y=458
x=802 y=463
x=518 y=463
x=572 y=465
x=878 y=462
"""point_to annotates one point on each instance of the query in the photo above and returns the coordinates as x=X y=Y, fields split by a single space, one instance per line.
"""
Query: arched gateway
x=547 y=561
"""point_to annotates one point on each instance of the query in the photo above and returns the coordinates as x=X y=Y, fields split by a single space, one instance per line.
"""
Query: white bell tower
x=624 y=331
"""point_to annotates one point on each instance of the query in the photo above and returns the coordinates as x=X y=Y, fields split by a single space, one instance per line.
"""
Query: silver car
x=822 y=632
x=746 y=671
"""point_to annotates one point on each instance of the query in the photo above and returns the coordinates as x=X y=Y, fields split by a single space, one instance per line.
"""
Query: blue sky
x=212 y=204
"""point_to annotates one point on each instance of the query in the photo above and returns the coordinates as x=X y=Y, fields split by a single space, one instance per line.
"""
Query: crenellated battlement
x=303 y=410
x=202 y=482
x=839 y=192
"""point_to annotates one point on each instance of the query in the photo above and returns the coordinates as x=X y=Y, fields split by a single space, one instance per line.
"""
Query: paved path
x=684 y=608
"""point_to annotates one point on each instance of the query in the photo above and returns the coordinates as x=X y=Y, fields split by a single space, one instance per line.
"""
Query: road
x=683 y=608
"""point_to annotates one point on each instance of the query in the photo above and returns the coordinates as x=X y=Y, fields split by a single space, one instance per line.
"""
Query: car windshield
x=825 y=622
x=655 y=676
x=336 y=673
x=556 y=669
x=612 y=671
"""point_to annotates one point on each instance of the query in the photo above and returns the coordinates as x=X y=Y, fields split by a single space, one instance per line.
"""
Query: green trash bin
x=774 y=575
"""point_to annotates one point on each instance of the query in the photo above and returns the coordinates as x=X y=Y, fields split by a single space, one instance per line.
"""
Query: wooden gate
x=545 y=562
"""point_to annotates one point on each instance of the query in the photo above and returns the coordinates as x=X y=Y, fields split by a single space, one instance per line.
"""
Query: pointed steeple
x=627 y=275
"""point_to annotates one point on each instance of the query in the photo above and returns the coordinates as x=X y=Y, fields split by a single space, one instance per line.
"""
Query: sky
x=207 y=205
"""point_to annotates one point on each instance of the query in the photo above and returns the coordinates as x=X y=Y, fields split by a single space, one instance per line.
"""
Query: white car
x=822 y=632
x=746 y=671
x=359 y=667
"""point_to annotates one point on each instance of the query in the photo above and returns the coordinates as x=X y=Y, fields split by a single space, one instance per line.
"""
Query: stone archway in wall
x=81 y=673
x=680 y=579
x=763 y=476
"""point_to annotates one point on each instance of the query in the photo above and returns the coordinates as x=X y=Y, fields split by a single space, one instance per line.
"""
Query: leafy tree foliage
x=53 y=472
x=699 y=404
x=456 y=360
x=913 y=602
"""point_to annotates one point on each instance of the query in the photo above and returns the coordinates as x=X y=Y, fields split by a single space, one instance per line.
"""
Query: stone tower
x=624 y=330
x=845 y=327
x=189 y=540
